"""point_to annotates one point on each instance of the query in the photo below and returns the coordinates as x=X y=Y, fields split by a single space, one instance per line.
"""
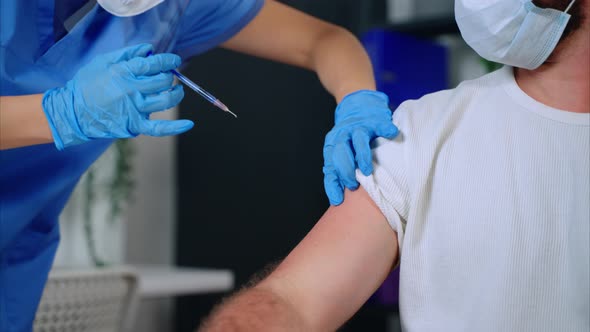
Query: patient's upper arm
x=339 y=264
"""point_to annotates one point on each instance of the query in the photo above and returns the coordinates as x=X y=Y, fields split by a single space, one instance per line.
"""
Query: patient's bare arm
x=256 y=309
x=324 y=280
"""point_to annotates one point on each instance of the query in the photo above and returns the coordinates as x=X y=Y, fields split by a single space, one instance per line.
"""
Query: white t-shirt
x=489 y=193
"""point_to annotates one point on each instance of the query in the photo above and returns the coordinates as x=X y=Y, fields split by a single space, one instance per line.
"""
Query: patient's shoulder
x=440 y=109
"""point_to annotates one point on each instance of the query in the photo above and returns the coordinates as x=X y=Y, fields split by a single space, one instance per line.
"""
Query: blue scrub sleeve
x=208 y=23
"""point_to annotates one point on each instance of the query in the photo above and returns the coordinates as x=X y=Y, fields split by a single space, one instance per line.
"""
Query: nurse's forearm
x=341 y=63
x=287 y=35
x=23 y=122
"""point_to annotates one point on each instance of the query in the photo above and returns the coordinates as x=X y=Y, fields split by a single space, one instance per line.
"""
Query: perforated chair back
x=88 y=301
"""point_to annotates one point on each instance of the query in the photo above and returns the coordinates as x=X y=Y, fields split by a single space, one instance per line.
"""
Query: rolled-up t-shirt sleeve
x=388 y=185
x=208 y=23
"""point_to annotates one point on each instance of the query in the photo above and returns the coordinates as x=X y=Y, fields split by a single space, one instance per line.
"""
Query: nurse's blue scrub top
x=36 y=181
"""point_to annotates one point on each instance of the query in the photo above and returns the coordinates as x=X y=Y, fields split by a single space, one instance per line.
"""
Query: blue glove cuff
x=363 y=99
x=64 y=132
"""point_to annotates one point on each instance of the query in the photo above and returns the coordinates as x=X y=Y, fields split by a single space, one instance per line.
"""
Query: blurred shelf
x=164 y=281
x=427 y=27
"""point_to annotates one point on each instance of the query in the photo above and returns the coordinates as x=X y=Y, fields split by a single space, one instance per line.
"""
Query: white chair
x=96 y=300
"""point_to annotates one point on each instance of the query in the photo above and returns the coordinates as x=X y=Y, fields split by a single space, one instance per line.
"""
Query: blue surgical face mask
x=511 y=32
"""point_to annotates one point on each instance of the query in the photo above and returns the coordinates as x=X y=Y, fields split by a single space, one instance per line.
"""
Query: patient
x=483 y=200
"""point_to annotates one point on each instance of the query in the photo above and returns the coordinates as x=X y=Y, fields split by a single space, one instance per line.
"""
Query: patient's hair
x=577 y=12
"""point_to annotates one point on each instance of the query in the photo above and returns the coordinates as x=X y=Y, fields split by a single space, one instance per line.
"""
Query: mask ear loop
x=569 y=6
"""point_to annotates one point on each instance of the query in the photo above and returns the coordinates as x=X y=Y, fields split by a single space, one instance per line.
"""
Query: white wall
x=405 y=10
x=151 y=218
x=464 y=63
x=144 y=234
x=108 y=234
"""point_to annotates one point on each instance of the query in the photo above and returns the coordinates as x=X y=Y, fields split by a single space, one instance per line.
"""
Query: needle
x=202 y=92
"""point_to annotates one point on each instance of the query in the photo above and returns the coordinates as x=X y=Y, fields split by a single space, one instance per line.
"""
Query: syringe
x=202 y=92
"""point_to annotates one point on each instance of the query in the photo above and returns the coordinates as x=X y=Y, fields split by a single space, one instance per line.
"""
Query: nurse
x=75 y=75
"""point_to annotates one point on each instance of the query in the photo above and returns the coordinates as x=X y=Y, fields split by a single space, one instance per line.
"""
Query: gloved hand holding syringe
x=114 y=95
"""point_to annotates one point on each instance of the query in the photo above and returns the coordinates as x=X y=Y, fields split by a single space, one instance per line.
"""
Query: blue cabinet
x=406 y=67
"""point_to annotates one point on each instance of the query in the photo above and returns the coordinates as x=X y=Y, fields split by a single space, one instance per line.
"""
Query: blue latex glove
x=113 y=97
x=360 y=117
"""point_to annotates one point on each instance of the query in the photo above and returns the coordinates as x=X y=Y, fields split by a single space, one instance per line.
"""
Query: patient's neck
x=563 y=82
